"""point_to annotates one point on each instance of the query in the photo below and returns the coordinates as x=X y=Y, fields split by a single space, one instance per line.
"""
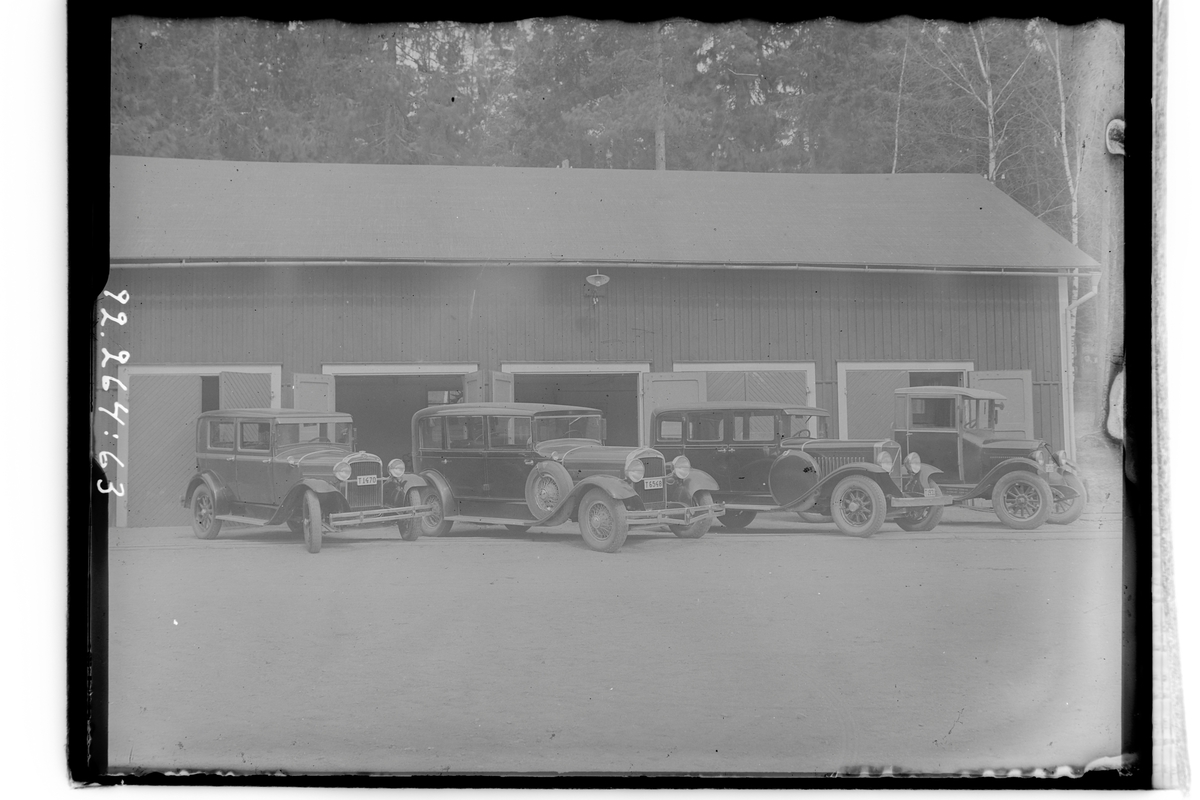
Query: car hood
x=1010 y=447
x=819 y=445
x=586 y=455
x=316 y=459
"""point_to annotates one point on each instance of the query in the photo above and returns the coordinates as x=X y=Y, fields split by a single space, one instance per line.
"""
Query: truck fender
x=985 y=486
x=681 y=491
x=222 y=496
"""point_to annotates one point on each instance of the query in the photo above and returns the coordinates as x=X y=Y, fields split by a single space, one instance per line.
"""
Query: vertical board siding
x=304 y=317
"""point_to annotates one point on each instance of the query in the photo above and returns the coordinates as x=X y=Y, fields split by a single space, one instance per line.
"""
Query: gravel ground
x=784 y=649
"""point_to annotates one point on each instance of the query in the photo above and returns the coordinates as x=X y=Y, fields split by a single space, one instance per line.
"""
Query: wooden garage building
x=378 y=290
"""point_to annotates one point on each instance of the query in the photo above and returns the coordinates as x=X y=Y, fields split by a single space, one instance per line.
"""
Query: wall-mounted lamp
x=595 y=287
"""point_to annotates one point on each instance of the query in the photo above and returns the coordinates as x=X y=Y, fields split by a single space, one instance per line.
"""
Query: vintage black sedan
x=954 y=428
x=777 y=457
x=270 y=466
x=528 y=464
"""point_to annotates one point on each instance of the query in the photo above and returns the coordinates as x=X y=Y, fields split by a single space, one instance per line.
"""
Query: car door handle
x=445 y=461
x=266 y=461
x=230 y=458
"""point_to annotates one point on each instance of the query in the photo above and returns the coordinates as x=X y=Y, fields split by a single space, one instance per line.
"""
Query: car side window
x=510 y=433
x=706 y=427
x=933 y=412
x=430 y=432
x=464 y=433
x=670 y=428
x=255 y=436
x=220 y=434
x=749 y=426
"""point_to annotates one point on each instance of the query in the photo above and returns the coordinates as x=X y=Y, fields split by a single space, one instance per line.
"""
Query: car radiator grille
x=653 y=498
x=828 y=464
x=364 y=496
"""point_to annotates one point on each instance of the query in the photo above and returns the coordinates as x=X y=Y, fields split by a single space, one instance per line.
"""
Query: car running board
x=242 y=520
x=524 y=523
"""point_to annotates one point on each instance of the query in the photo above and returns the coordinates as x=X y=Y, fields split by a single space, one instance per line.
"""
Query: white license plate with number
x=653 y=483
x=368 y=480
x=931 y=493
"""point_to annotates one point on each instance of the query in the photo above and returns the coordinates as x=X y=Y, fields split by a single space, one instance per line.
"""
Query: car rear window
x=706 y=427
x=670 y=429
x=221 y=434
x=464 y=433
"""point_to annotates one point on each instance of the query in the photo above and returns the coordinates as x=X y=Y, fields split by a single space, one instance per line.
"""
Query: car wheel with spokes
x=436 y=523
x=410 y=529
x=312 y=522
x=923 y=518
x=1068 y=509
x=204 y=514
x=858 y=506
x=546 y=487
x=1022 y=500
x=602 y=521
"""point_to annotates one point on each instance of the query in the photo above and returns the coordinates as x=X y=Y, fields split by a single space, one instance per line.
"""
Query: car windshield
x=288 y=434
x=577 y=426
x=804 y=426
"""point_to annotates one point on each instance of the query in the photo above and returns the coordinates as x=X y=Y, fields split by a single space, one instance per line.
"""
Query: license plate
x=368 y=480
x=931 y=493
x=653 y=483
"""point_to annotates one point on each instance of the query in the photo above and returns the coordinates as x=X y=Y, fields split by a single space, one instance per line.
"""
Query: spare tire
x=793 y=475
x=547 y=486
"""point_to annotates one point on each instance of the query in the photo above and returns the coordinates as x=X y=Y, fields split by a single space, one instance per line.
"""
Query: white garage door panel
x=245 y=390
x=1017 y=386
x=162 y=447
x=870 y=403
x=670 y=388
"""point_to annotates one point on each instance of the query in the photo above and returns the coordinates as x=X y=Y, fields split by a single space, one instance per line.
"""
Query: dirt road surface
x=783 y=649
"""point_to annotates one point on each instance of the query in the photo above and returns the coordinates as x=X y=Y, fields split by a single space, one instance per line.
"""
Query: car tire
x=436 y=523
x=312 y=522
x=204 y=513
x=858 y=506
x=700 y=526
x=814 y=518
x=602 y=521
x=923 y=518
x=1065 y=511
x=410 y=529
x=736 y=520
x=1022 y=500
x=546 y=487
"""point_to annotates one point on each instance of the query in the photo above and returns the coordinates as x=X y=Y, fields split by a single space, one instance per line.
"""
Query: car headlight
x=342 y=471
x=1060 y=457
x=913 y=462
x=681 y=467
x=396 y=467
x=635 y=470
x=1039 y=456
x=884 y=459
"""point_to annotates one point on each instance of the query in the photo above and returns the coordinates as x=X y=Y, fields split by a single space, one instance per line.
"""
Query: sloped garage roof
x=167 y=211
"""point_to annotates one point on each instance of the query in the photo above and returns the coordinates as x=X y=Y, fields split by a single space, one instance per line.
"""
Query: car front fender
x=395 y=490
x=874 y=471
x=927 y=471
x=439 y=483
x=681 y=491
x=615 y=487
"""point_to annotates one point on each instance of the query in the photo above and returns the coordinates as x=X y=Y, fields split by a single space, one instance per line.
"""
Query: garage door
x=869 y=401
x=162 y=447
x=768 y=386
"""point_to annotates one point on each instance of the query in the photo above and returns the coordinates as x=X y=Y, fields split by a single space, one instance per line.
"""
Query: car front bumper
x=673 y=515
x=377 y=516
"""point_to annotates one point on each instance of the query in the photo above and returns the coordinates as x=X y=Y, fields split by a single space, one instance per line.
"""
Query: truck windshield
x=567 y=427
x=294 y=433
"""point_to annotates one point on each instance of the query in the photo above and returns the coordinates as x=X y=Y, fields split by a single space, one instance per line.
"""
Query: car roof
x=950 y=391
x=279 y=413
x=534 y=409
x=744 y=405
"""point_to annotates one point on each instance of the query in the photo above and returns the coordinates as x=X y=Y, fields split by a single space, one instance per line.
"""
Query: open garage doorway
x=614 y=393
x=383 y=403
